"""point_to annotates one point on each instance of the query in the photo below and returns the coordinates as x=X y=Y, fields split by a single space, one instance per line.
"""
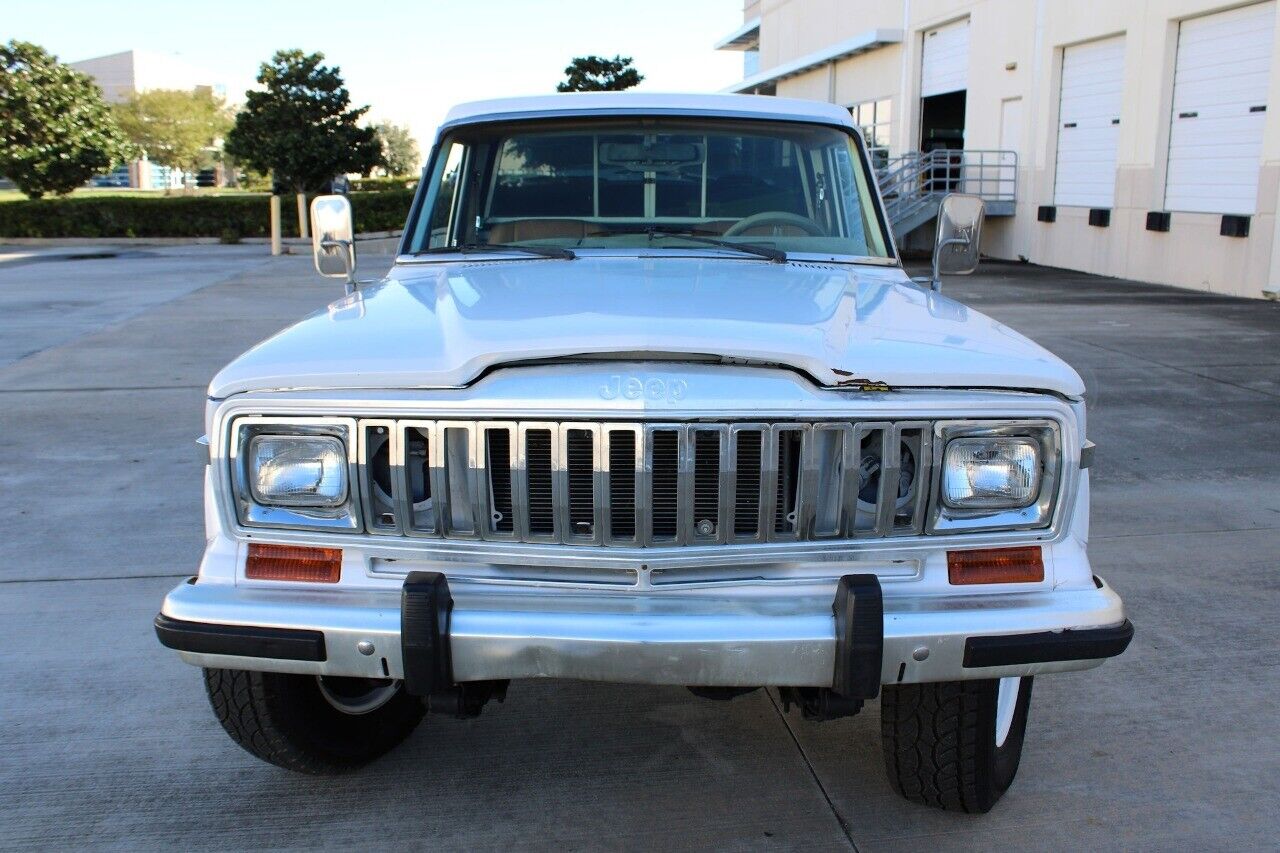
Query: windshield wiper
x=478 y=248
x=656 y=231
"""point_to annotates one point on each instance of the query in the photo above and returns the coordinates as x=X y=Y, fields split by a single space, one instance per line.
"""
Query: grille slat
x=580 y=455
x=416 y=501
x=706 y=484
x=539 y=490
x=830 y=469
x=665 y=484
x=622 y=484
x=644 y=484
x=787 y=483
x=498 y=465
x=791 y=509
x=750 y=477
x=915 y=456
x=379 y=488
x=454 y=468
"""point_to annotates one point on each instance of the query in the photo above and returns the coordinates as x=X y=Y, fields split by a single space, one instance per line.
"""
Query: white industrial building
x=1123 y=138
x=119 y=75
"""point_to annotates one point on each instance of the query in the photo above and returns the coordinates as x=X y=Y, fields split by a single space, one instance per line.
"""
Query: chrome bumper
x=746 y=636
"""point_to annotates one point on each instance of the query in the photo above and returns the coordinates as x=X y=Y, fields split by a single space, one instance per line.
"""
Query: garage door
x=1089 y=123
x=1219 y=108
x=945 y=64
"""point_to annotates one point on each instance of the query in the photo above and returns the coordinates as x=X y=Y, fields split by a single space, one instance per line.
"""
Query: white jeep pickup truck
x=646 y=397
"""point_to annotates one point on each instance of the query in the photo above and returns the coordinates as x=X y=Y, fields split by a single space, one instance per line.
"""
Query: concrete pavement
x=107 y=740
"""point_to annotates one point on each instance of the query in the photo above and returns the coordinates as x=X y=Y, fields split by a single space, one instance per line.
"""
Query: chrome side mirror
x=955 y=248
x=333 y=239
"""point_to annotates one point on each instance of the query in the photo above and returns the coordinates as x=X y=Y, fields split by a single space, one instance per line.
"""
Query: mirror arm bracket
x=344 y=248
x=935 y=283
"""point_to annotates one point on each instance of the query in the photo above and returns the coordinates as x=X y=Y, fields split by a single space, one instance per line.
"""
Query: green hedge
x=228 y=217
x=403 y=182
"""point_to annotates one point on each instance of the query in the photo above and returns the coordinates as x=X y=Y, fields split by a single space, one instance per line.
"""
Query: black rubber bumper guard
x=859 y=612
x=1048 y=646
x=240 y=640
x=425 y=606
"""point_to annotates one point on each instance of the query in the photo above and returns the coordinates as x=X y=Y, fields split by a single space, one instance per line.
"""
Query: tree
x=56 y=132
x=175 y=128
x=399 y=150
x=301 y=127
x=597 y=74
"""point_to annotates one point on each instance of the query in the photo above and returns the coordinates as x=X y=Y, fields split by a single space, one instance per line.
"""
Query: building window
x=750 y=62
x=874 y=119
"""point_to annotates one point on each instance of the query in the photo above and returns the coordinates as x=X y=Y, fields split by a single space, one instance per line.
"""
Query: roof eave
x=863 y=42
x=745 y=37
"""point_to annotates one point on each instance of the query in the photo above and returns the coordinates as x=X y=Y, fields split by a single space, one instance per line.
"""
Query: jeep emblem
x=653 y=388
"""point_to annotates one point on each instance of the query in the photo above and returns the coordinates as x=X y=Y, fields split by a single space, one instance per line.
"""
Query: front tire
x=954 y=745
x=308 y=724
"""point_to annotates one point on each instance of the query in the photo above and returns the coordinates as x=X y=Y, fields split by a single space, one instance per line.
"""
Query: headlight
x=303 y=471
x=991 y=473
x=995 y=475
x=294 y=472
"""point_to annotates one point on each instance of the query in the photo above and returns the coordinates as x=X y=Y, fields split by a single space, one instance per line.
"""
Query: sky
x=409 y=61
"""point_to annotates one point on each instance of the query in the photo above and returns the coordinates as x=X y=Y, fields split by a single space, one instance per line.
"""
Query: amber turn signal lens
x=293 y=563
x=995 y=565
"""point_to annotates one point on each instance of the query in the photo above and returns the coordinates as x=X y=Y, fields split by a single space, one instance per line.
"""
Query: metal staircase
x=914 y=183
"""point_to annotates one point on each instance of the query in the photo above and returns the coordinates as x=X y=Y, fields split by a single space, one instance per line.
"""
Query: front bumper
x=747 y=636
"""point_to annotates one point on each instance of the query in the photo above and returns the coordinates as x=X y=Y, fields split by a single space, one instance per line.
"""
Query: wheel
x=954 y=745
x=774 y=220
x=312 y=724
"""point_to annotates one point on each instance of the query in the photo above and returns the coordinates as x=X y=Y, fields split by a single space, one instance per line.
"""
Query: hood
x=442 y=325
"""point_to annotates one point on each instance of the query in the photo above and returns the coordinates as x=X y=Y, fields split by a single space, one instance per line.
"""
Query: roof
x=644 y=103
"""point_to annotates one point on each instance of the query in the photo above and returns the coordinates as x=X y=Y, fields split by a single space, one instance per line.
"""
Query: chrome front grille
x=651 y=484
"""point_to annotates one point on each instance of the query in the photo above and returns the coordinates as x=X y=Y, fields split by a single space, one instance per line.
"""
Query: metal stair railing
x=914 y=183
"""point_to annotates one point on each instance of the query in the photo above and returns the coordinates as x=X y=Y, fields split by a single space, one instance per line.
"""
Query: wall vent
x=1234 y=225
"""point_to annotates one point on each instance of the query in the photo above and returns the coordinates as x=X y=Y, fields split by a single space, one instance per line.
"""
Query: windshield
x=716 y=184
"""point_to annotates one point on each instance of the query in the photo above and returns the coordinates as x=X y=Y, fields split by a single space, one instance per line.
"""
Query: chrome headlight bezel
x=1036 y=513
x=251 y=511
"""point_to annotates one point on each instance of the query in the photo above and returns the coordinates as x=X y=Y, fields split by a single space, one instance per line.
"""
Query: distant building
x=1122 y=138
x=119 y=75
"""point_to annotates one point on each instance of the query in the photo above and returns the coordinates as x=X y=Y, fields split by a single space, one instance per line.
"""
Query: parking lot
x=106 y=739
